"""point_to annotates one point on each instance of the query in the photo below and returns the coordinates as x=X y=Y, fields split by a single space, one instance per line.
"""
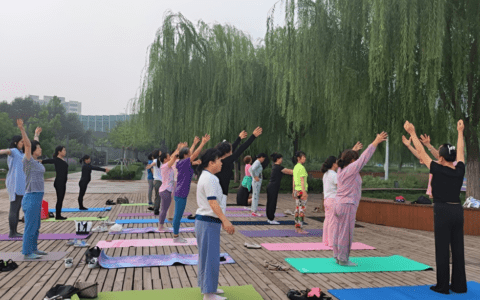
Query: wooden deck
x=32 y=279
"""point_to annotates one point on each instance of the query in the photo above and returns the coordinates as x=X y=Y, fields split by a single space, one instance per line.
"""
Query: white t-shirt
x=330 y=184
x=208 y=188
x=157 y=174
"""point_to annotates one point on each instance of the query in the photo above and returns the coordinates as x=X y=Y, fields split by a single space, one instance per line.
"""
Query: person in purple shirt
x=184 y=179
x=349 y=192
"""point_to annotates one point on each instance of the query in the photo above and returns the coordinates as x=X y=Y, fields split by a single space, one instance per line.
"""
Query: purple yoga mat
x=243 y=208
x=151 y=230
x=280 y=233
x=18 y=256
x=239 y=215
x=147 y=214
x=49 y=236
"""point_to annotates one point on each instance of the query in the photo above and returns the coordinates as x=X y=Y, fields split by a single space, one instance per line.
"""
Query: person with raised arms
x=187 y=158
x=447 y=181
x=349 y=192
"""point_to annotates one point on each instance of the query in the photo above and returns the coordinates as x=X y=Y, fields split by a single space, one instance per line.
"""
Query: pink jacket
x=349 y=181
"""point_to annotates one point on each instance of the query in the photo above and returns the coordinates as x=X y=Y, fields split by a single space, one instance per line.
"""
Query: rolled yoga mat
x=144 y=243
x=151 y=230
x=231 y=292
x=77 y=219
x=109 y=262
x=18 y=256
x=144 y=215
x=261 y=223
x=419 y=292
x=243 y=208
x=309 y=246
x=49 y=236
x=394 y=263
x=92 y=209
x=148 y=221
x=281 y=233
x=249 y=215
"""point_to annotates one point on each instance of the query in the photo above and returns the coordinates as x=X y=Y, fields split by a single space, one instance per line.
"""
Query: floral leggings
x=299 y=212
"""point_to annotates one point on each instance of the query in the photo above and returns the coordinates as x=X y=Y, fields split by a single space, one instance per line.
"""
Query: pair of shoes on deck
x=252 y=246
x=274 y=266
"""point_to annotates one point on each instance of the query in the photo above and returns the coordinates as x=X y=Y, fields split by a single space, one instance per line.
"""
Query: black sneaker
x=83 y=208
x=150 y=208
x=60 y=218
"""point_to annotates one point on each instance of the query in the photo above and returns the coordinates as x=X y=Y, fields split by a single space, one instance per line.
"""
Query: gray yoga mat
x=18 y=256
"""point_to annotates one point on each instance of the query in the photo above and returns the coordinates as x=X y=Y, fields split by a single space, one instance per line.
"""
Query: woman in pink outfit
x=349 y=192
x=329 y=168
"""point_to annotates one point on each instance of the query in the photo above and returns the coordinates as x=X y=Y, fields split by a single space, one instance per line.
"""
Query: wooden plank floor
x=32 y=279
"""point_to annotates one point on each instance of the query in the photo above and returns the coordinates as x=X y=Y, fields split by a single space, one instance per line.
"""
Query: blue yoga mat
x=79 y=210
x=421 y=292
x=147 y=221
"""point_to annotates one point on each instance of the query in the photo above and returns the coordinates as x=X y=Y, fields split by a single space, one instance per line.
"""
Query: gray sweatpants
x=14 y=214
x=150 y=189
x=156 y=206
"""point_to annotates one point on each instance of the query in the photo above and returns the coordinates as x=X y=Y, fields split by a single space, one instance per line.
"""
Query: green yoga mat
x=394 y=263
x=231 y=292
x=135 y=204
x=77 y=219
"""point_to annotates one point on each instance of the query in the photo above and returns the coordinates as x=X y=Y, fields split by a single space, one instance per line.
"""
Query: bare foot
x=302 y=232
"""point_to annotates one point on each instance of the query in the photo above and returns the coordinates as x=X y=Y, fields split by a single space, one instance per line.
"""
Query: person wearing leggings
x=245 y=188
x=229 y=154
x=166 y=189
x=150 y=179
x=187 y=158
x=86 y=177
x=60 y=183
x=257 y=173
x=447 y=181
x=273 y=186
x=15 y=180
x=157 y=180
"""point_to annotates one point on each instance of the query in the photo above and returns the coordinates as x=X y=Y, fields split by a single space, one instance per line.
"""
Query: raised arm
x=358 y=146
x=37 y=134
x=5 y=152
x=48 y=161
x=174 y=154
x=418 y=145
x=356 y=166
x=460 y=142
x=26 y=142
x=196 y=140
x=95 y=168
x=240 y=137
x=257 y=132
x=195 y=154
x=425 y=139
x=408 y=143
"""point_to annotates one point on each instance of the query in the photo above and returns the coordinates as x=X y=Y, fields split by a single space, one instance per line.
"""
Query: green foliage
x=133 y=172
x=8 y=130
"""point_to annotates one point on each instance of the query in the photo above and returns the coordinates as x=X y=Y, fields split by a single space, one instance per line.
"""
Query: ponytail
x=347 y=157
x=328 y=164
x=84 y=158
x=298 y=155
x=58 y=150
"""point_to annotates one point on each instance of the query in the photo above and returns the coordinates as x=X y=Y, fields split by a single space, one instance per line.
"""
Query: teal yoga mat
x=421 y=292
x=394 y=263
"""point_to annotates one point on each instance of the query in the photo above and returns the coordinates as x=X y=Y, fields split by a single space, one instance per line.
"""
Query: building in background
x=102 y=123
x=70 y=106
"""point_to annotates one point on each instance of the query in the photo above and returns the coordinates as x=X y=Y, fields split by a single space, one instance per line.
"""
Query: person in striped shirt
x=349 y=192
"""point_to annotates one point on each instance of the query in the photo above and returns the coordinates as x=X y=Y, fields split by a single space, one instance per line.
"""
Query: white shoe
x=213 y=297
x=180 y=240
x=68 y=263
x=273 y=222
x=93 y=263
x=219 y=291
x=100 y=228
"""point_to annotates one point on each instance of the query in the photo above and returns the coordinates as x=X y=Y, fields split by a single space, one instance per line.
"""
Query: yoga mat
x=322 y=219
x=151 y=230
x=77 y=219
x=135 y=204
x=250 y=215
x=147 y=221
x=144 y=215
x=234 y=204
x=109 y=262
x=18 y=256
x=261 y=223
x=281 y=233
x=231 y=292
x=49 y=236
x=243 y=208
x=394 y=263
x=144 y=243
x=92 y=209
x=309 y=246
x=420 y=292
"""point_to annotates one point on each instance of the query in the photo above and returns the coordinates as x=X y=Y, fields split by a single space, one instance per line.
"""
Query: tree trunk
x=472 y=163
x=295 y=145
x=400 y=163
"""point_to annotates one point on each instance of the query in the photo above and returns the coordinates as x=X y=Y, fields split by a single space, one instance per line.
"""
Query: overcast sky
x=94 y=51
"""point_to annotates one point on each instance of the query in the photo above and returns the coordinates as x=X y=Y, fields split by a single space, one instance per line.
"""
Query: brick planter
x=409 y=216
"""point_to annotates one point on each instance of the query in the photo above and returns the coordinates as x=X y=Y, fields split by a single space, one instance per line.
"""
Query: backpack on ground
x=422 y=200
x=93 y=252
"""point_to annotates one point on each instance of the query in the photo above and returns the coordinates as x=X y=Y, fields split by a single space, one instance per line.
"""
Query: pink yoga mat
x=147 y=214
x=249 y=215
x=244 y=208
x=144 y=243
x=309 y=247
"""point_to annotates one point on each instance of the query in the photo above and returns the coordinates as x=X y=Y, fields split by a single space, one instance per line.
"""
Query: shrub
x=133 y=172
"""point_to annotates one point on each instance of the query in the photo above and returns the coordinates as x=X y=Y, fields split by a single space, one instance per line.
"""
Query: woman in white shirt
x=208 y=220
x=157 y=180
